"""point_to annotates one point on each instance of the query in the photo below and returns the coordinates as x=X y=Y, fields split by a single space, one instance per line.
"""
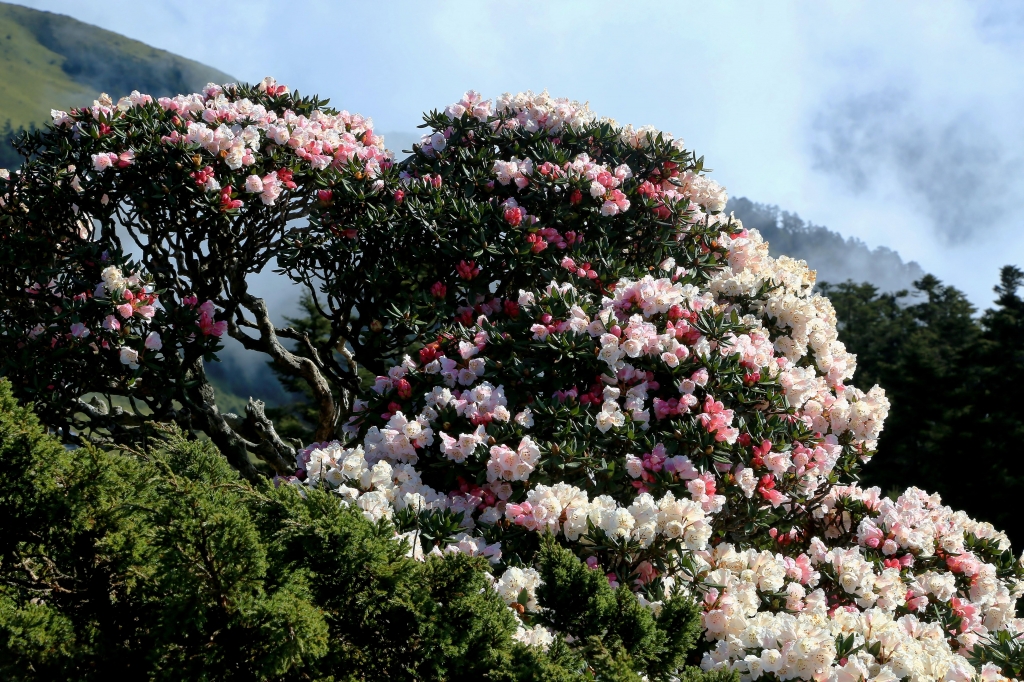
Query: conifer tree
x=164 y=564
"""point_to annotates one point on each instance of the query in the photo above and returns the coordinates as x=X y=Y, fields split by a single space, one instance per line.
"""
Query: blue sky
x=898 y=123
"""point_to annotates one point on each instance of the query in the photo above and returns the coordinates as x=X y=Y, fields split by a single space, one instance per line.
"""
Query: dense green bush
x=164 y=564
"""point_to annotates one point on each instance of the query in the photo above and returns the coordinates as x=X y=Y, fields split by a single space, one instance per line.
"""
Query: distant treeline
x=953 y=377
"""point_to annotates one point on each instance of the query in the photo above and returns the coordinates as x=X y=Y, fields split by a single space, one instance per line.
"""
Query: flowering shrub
x=203 y=187
x=500 y=196
x=586 y=373
x=685 y=428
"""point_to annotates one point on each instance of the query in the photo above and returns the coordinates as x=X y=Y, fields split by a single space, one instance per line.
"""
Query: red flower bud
x=404 y=390
x=514 y=216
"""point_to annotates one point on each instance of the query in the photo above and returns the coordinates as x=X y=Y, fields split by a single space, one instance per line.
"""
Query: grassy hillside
x=52 y=61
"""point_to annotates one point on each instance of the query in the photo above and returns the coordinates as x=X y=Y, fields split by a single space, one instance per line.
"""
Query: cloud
x=960 y=171
x=1000 y=21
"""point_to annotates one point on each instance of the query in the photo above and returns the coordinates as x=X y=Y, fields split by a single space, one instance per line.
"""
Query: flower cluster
x=528 y=111
x=254 y=142
x=378 y=487
x=499 y=193
x=802 y=646
x=906 y=593
x=101 y=326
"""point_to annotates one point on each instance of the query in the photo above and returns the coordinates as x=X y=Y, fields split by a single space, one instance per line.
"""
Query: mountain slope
x=836 y=258
x=53 y=61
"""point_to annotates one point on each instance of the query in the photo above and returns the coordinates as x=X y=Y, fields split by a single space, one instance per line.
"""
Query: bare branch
x=304 y=367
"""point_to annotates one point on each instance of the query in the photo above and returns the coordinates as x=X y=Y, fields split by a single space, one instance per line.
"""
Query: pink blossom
x=647 y=189
x=285 y=176
x=537 y=243
x=513 y=216
x=79 y=330
x=207 y=325
x=226 y=202
x=774 y=496
x=110 y=323
x=869 y=534
x=153 y=341
x=203 y=177
x=125 y=310
x=253 y=184
x=646 y=572
x=101 y=162
x=680 y=465
x=130 y=357
x=271 y=190
x=404 y=389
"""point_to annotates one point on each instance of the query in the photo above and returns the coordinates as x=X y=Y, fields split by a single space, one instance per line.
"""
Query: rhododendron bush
x=640 y=380
x=500 y=196
x=203 y=187
x=573 y=346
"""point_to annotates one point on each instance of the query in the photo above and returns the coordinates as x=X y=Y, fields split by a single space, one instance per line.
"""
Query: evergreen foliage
x=584 y=605
x=164 y=564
